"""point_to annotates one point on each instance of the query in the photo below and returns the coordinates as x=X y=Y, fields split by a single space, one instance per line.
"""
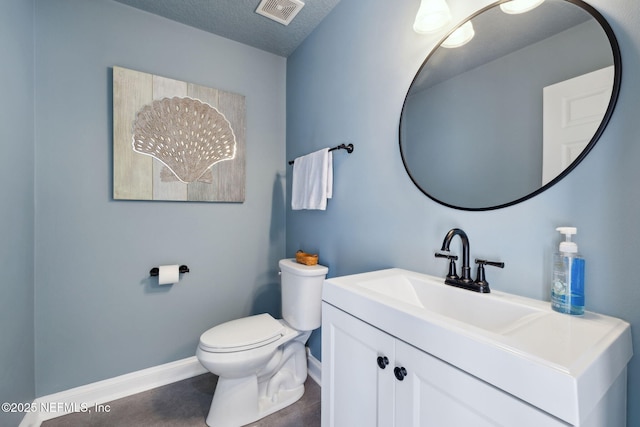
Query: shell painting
x=177 y=141
x=185 y=134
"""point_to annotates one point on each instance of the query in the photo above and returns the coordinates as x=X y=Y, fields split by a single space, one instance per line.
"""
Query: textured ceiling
x=237 y=20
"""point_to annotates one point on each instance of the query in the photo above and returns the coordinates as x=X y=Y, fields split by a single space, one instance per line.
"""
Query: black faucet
x=466 y=269
x=480 y=284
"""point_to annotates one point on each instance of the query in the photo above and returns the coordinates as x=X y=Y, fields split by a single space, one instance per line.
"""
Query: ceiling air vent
x=282 y=11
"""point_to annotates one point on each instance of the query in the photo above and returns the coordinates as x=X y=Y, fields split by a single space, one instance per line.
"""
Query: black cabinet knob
x=383 y=362
x=400 y=372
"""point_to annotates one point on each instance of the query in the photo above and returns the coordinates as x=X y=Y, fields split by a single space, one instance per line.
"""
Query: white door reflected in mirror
x=573 y=110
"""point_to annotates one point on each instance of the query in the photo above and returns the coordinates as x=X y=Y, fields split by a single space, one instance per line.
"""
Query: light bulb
x=520 y=6
x=432 y=16
x=460 y=37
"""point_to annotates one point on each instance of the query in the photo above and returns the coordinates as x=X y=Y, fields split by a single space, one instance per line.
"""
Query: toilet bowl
x=261 y=362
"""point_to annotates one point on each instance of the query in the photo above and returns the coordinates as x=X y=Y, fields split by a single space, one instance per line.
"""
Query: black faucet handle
x=452 y=263
x=483 y=262
x=447 y=255
x=481 y=281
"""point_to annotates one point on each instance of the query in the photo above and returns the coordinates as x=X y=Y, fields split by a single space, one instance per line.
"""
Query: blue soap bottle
x=567 y=288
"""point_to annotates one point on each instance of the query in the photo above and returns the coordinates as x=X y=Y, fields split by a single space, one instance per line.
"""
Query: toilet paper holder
x=156 y=271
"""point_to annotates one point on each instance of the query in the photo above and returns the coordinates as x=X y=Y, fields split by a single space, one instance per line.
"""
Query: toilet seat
x=242 y=334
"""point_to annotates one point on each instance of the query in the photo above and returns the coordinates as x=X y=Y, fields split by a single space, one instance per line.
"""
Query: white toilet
x=261 y=362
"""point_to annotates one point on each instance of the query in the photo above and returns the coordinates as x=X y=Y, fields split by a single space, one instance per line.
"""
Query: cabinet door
x=355 y=390
x=434 y=393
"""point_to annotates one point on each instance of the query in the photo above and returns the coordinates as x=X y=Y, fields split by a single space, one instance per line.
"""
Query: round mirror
x=508 y=114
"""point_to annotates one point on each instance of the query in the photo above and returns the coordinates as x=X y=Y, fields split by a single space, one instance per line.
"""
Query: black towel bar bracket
x=156 y=271
x=348 y=147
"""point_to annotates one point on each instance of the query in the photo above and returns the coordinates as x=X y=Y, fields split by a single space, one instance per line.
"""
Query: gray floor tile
x=186 y=404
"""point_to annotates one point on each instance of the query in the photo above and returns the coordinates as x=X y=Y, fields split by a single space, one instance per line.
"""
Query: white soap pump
x=567 y=289
x=568 y=246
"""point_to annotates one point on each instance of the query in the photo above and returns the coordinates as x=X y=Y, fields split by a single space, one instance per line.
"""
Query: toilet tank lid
x=291 y=266
x=243 y=332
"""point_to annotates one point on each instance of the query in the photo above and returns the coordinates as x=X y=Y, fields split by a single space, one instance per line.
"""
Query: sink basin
x=562 y=364
x=493 y=312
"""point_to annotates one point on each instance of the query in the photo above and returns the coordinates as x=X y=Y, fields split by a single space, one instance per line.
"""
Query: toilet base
x=240 y=401
x=285 y=398
x=232 y=410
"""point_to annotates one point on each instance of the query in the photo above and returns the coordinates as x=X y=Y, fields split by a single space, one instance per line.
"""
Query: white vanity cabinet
x=370 y=378
x=355 y=390
x=464 y=358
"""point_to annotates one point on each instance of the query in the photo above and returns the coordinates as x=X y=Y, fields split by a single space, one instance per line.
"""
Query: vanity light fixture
x=432 y=16
x=520 y=6
x=460 y=37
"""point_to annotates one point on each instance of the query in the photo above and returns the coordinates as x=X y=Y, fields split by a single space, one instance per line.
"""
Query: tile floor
x=186 y=404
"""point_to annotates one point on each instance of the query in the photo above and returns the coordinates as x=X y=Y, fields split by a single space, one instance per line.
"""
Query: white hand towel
x=312 y=180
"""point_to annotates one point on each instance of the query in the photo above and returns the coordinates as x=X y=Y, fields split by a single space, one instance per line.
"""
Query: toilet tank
x=302 y=294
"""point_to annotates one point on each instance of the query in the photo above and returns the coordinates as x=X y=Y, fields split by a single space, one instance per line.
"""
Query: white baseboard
x=314 y=367
x=88 y=397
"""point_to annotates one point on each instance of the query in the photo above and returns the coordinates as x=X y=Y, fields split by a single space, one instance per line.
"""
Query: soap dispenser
x=567 y=288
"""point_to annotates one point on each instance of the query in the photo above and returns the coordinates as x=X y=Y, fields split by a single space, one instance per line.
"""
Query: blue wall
x=347 y=82
x=97 y=313
x=16 y=206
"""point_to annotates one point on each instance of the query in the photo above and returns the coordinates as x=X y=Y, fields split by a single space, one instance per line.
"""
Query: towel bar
x=348 y=147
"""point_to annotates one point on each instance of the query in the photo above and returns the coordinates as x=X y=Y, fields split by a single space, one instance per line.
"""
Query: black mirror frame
x=617 y=78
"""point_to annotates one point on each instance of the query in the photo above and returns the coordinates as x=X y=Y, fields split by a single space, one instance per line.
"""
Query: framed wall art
x=174 y=140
